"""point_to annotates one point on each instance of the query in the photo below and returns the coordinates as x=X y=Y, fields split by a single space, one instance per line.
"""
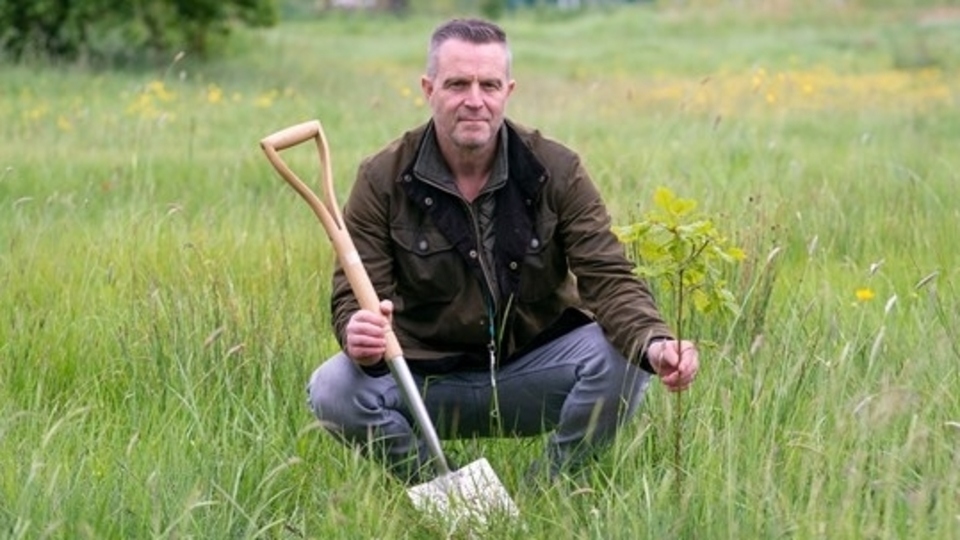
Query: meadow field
x=164 y=295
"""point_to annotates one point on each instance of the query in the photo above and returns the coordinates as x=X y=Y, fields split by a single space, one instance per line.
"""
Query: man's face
x=469 y=93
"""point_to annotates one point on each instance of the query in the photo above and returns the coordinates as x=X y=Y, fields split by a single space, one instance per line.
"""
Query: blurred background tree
x=70 y=29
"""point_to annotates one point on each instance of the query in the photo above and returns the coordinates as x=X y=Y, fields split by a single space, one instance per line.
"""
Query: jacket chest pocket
x=428 y=268
x=545 y=266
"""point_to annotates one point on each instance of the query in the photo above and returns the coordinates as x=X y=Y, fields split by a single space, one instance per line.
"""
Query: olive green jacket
x=555 y=262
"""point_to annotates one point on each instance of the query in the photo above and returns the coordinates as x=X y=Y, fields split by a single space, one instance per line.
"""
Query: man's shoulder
x=396 y=154
x=549 y=151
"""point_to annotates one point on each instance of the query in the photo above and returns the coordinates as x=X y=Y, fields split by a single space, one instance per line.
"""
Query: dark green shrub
x=65 y=29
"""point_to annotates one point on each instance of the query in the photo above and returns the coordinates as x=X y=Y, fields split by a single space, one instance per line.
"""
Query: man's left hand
x=675 y=362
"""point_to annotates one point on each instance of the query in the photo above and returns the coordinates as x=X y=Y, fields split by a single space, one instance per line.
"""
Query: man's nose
x=474 y=96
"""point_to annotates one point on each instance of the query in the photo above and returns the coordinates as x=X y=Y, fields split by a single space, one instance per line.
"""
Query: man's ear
x=426 y=86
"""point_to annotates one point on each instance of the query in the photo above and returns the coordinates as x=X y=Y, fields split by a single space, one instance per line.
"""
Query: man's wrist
x=645 y=362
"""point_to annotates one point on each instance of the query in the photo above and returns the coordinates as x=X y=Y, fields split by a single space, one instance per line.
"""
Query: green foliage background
x=118 y=29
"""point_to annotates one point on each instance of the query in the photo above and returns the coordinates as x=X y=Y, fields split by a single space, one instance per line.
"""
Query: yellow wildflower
x=36 y=113
x=159 y=90
x=265 y=100
x=865 y=294
x=214 y=94
x=63 y=123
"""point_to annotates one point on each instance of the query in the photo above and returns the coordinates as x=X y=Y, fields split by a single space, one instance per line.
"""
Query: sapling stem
x=678 y=411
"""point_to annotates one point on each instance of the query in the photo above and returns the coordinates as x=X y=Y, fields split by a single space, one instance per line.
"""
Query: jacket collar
x=432 y=168
x=525 y=169
x=514 y=160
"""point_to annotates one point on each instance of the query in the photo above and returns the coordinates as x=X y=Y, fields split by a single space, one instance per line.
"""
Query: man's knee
x=346 y=400
x=613 y=376
x=329 y=388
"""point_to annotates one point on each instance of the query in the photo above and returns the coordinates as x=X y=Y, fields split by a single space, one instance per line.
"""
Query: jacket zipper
x=491 y=304
x=481 y=257
x=491 y=316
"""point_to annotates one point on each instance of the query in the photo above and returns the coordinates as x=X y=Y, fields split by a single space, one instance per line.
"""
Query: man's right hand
x=366 y=334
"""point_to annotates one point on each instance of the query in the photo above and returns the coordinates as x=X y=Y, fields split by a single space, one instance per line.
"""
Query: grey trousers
x=579 y=387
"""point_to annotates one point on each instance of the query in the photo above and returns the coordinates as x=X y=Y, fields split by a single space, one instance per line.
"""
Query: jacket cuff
x=376 y=370
x=644 y=359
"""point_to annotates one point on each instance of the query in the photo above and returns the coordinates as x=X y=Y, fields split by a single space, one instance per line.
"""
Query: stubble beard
x=473 y=138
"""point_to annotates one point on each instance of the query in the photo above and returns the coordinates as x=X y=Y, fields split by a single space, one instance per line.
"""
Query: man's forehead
x=458 y=51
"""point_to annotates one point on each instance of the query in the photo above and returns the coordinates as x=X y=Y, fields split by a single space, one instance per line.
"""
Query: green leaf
x=678 y=251
x=663 y=198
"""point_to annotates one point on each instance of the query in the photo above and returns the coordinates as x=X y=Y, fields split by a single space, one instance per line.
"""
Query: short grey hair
x=476 y=31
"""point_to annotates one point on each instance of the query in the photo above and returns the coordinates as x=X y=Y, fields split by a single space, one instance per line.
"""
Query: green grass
x=164 y=297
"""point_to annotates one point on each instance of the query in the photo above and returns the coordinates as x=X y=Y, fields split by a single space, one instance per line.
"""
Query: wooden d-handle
x=328 y=212
x=293 y=135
